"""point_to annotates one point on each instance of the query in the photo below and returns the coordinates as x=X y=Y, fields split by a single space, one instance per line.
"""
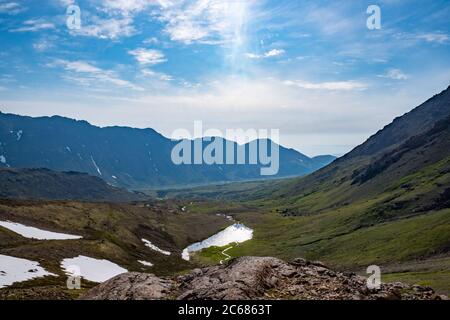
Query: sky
x=312 y=69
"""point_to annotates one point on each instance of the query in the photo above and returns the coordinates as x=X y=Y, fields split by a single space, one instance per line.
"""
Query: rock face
x=254 y=278
x=131 y=286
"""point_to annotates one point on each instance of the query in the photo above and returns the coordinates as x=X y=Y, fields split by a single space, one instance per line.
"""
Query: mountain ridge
x=123 y=156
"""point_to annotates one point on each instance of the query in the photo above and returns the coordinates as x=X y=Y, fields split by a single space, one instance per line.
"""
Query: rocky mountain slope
x=52 y=185
x=255 y=278
x=122 y=156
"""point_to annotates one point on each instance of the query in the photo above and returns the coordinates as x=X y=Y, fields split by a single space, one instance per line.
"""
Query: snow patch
x=153 y=247
x=91 y=269
x=14 y=270
x=146 y=263
x=35 y=233
x=114 y=177
x=234 y=233
x=3 y=159
x=96 y=167
x=68 y=149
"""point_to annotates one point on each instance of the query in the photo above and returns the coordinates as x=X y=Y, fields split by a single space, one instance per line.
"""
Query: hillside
x=387 y=202
x=52 y=185
x=123 y=156
x=112 y=231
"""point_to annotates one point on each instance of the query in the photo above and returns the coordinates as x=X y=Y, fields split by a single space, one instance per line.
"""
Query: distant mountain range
x=122 y=156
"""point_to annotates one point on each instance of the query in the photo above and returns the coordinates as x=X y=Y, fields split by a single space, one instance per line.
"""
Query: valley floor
x=413 y=249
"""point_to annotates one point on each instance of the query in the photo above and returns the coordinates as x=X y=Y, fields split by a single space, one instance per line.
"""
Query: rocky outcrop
x=131 y=286
x=255 y=278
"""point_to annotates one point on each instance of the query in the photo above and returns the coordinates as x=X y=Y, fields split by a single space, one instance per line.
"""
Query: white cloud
x=274 y=53
x=333 y=86
x=159 y=75
x=115 y=19
x=126 y=7
x=87 y=74
x=268 y=54
x=205 y=21
x=148 y=56
x=11 y=8
x=436 y=37
x=33 y=25
x=433 y=37
x=107 y=28
x=66 y=3
x=42 y=45
x=395 y=74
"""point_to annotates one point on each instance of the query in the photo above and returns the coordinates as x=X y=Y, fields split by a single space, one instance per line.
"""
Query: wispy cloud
x=126 y=7
x=88 y=74
x=433 y=37
x=111 y=29
x=43 y=45
x=158 y=75
x=436 y=37
x=333 y=86
x=34 y=25
x=394 y=74
x=148 y=56
x=268 y=54
x=11 y=8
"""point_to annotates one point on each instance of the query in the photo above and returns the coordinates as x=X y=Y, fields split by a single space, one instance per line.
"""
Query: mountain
x=255 y=278
x=415 y=144
x=122 y=156
x=387 y=203
x=408 y=146
x=52 y=185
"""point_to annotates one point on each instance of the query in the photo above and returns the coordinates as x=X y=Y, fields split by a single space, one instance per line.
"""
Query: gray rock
x=131 y=286
x=254 y=278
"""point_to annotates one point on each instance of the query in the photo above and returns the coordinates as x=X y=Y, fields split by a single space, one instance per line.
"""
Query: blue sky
x=309 y=68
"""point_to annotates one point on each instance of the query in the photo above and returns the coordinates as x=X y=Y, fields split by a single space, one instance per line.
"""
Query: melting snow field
x=35 y=233
x=91 y=269
x=235 y=233
x=17 y=270
x=152 y=246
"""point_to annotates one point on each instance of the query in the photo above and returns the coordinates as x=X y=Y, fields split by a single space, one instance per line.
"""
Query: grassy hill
x=53 y=185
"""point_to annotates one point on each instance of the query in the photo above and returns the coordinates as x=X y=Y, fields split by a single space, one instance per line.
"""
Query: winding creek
x=236 y=233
